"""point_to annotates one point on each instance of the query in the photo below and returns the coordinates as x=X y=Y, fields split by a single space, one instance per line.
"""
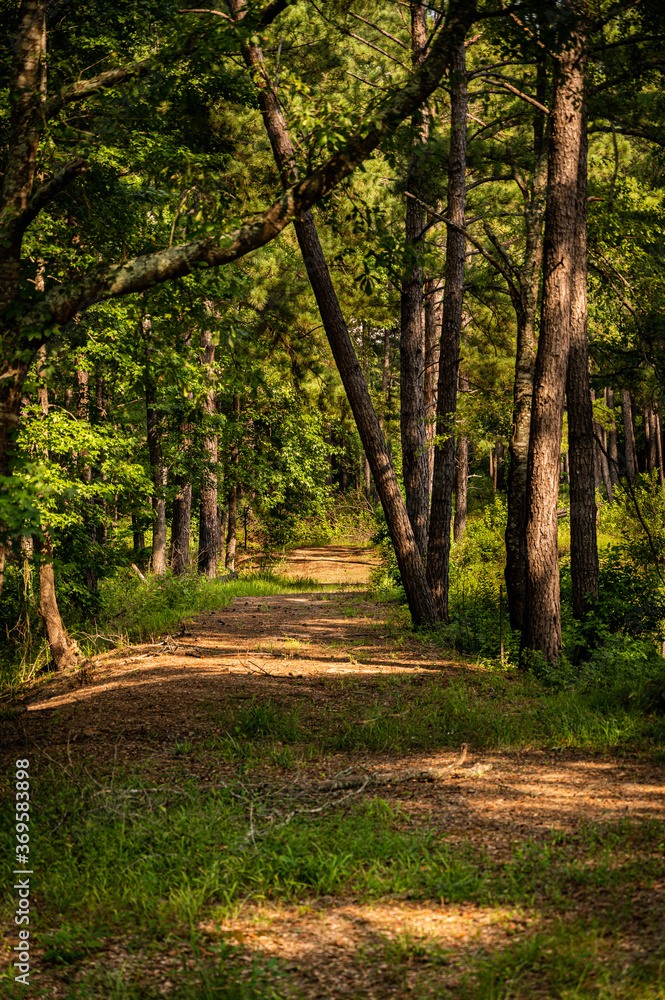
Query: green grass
x=489 y=711
x=145 y=610
x=149 y=865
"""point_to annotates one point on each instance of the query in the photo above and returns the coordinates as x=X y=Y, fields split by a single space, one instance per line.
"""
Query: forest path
x=326 y=664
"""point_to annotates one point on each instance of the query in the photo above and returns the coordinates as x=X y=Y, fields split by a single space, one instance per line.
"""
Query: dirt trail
x=139 y=705
x=296 y=649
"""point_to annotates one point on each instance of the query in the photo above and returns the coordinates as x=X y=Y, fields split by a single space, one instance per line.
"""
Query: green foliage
x=483 y=542
x=622 y=518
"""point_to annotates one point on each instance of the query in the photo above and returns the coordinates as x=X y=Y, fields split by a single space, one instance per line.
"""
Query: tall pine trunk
x=612 y=448
x=438 y=550
x=401 y=532
x=583 y=542
x=433 y=307
x=207 y=561
x=629 y=437
x=461 y=472
x=158 y=470
x=412 y=340
x=525 y=301
x=541 y=630
x=231 y=531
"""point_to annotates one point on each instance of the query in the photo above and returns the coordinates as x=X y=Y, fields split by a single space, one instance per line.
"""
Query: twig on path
x=393 y=777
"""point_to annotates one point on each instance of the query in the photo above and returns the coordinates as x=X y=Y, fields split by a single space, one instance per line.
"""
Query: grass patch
x=146 y=610
x=489 y=711
x=150 y=865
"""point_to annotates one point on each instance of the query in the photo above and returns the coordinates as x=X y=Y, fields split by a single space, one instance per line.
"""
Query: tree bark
x=412 y=360
x=63 y=652
x=601 y=467
x=659 y=448
x=438 y=550
x=231 y=532
x=628 y=436
x=583 y=541
x=650 y=428
x=408 y=556
x=541 y=629
x=154 y=434
x=433 y=307
x=207 y=561
x=83 y=416
x=525 y=302
x=181 y=527
x=612 y=448
x=461 y=473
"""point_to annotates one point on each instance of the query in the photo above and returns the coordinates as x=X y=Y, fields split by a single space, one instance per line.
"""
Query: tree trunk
x=542 y=620
x=438 y=551
x=154 y=433
x=83 y=416
x=138 y=536
x=231 y=530
x=401 y=532
x=601 y=466
x=63 y=652
x=433 y=307
x=612 y=448
x=181 y=527
x=207 y=562
x=628 y=436
x=221 y=532
x=500 y=452
x=461 y=473
x=583 y=542
x=385 y=373
x=412 y=359
x=650 y=428
x=526 y=304
x=659 y=448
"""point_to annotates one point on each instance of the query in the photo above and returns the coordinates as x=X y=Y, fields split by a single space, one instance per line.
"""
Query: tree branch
x=136 y=275
x=18 y=223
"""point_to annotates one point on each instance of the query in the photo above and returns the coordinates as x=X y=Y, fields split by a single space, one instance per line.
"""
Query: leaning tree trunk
x=401 y=532
x=541 y=629
x=63 y=652
x=207 y=562
x=154 y=433
x=461 y=472
x=438 y=550
x=525 y=302
x=583 y=542
x=412 y=360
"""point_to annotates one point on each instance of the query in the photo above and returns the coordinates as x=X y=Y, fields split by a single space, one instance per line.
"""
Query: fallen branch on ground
x=391 y=777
